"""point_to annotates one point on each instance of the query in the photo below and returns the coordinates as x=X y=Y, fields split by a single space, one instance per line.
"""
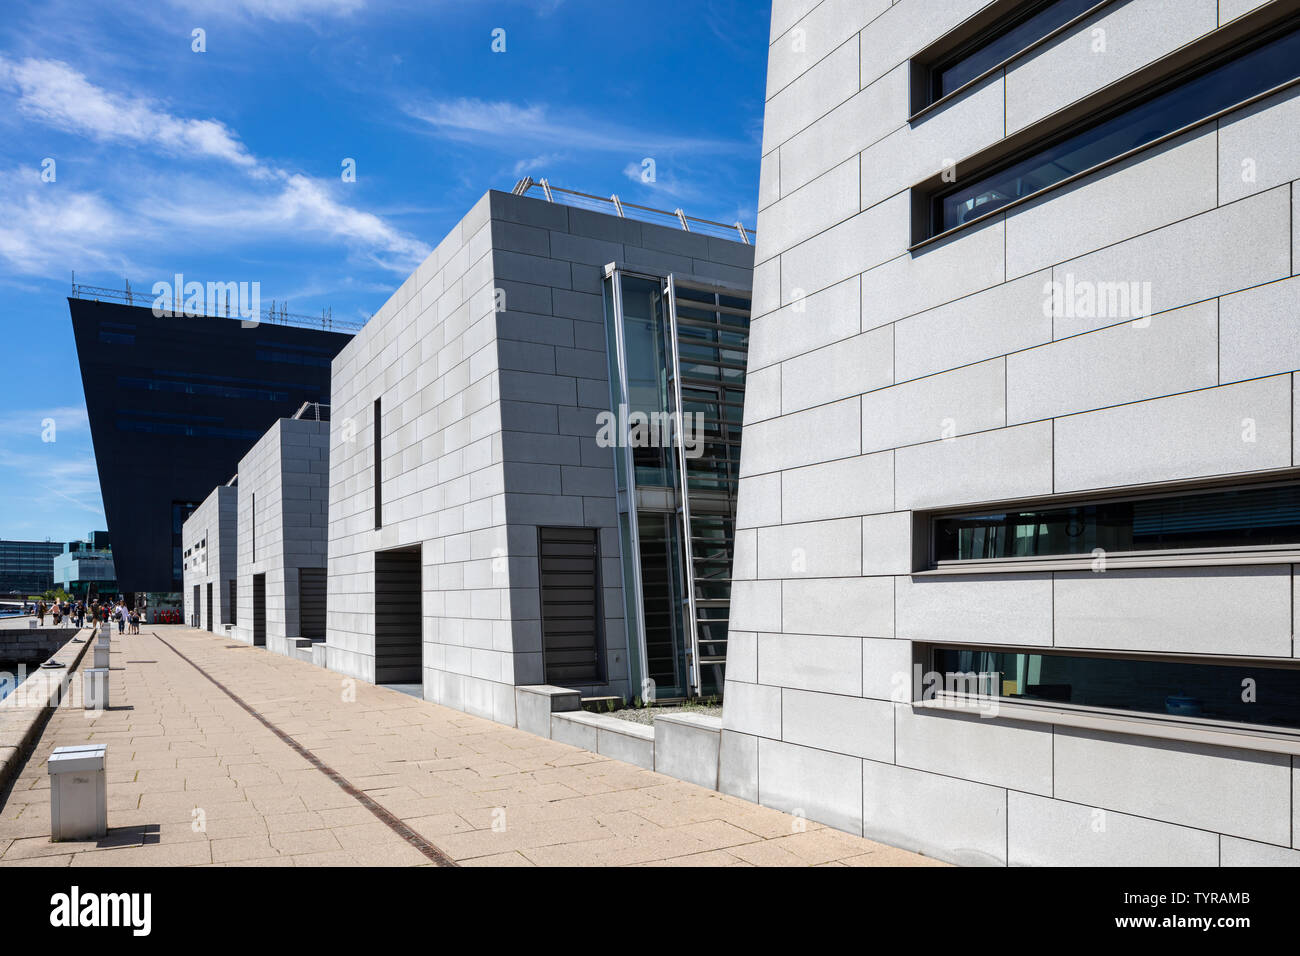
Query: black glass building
x=174 y=402
x=27 y=567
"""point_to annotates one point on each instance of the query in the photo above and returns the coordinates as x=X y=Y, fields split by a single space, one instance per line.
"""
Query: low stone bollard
x=78 y=792
x=94 y=688
x=101 y=654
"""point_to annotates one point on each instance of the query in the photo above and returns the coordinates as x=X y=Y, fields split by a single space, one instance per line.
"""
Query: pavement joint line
x=392 y=822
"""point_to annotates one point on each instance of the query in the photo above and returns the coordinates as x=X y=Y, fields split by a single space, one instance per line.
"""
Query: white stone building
x=208 y=561
x=283 y=522
x=1021 y=403
x=475 y=517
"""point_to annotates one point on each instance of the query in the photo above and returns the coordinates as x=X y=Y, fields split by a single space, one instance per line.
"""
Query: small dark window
x=1167 y=686
x=379 y=473
x=1238 y=518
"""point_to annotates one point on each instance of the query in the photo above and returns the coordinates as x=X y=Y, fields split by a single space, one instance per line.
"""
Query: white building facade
x=1021 y=405
x=283 y=523
x=475 y=513
x=208 y=561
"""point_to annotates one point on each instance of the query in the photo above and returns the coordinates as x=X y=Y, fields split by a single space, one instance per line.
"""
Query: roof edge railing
x=619 y=207
x=273 y=314
x=314 y=408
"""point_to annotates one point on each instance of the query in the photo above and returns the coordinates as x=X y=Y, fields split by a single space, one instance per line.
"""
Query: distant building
x=27 y=567
x=174 y=403
x=208 y=562
x=86 y=567
x=283 y=538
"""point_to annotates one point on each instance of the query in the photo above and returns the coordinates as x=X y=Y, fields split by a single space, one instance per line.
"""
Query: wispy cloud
x=45 y=229
x=537 y=163
x=62 y=467
x=54 y=93
x=506 y=126
x=29 y=424
x=278 y=10
x=53 y=226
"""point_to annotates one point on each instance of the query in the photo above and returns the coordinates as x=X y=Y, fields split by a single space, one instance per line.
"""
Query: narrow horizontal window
x=1022 y=28
x=1240 y=692
x=1258 y=517
x=1226 y=81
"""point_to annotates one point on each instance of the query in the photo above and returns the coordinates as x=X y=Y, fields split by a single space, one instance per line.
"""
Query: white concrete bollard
x=101 y=655
x=78 y=793
x=94 y=688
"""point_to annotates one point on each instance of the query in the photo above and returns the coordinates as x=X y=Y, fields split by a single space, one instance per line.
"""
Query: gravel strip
x=646 y=715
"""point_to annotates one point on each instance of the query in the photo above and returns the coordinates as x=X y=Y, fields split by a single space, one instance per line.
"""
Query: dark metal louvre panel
x=259 y=609
x=233 y=593
x=397 y=617
x=311 y=603
x=570 y=599
x=209 y=607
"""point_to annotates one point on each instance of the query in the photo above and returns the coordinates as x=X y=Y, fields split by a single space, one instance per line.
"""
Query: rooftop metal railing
x=619 y=207
x=274 y=314
x=313 y=411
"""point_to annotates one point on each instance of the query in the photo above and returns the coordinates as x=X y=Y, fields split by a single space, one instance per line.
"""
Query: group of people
x=99 y=612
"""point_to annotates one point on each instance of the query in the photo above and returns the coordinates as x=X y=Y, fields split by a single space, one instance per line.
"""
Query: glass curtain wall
x=677 y=369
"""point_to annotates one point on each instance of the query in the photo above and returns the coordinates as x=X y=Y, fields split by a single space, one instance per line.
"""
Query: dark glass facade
x=174 y=403
x=27 y=567
x=677 y=348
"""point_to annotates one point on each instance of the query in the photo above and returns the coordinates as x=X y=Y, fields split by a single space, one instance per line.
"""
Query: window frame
x=1203 y=730
x=927 y=564
x=1237 y=37
x=971 y=35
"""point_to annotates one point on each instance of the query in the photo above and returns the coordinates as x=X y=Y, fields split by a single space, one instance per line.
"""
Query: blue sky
x=225 y=165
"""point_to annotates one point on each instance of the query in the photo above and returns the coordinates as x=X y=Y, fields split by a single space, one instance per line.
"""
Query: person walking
x=40 y=613
x=121 y=618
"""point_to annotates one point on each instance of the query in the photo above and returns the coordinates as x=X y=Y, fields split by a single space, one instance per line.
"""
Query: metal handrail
x=734 y=231
x=271 y=314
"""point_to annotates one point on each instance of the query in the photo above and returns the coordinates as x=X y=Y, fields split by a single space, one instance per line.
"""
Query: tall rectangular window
x=379 y=472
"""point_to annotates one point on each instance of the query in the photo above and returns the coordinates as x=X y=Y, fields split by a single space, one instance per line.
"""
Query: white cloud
x=47 y=229
x=505 y=125
x=52 y=227
x=28 y=424
x=278 y=10
x=63 y=468
x=57 y=95
x=537 y=163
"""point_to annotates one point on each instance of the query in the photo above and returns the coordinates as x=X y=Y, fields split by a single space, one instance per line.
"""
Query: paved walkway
x=328 y=771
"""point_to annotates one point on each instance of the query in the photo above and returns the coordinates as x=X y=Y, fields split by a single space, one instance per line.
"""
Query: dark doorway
x=570 y=598
x=194 y=612
x=398 y=654
x=311 y=603
x=234 y=619
x=259 y=610
x=209 y=608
